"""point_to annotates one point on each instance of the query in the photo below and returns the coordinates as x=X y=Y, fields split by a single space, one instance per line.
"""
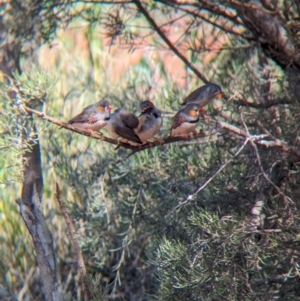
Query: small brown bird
x=92 y=118
x=185 y=120
x=203 y=95
x=122 y=124
x=150 y=121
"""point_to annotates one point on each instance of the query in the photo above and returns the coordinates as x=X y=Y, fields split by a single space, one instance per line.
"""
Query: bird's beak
x=220 y=95
x=201 y=111
x=109 y=107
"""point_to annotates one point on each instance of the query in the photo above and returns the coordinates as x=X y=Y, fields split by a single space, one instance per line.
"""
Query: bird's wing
x=192 y=96
x=142 y=119
x=85 y=116
x=178 y=120
x=129 y=120
x=127 y=133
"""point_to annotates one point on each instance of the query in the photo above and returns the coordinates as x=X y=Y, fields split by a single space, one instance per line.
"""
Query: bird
x=92 y=118
x=203 y=95
x=185 y=120
x=122 y=123
x=150 y=121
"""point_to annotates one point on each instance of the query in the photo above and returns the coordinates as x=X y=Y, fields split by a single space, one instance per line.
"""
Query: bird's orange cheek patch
x=193 y=113
x=100 y=109
x=219 y=95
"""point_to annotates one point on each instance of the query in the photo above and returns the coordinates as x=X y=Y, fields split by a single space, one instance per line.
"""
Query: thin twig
x=254 y=146
x=279 y=144
x=191 y=196
x=254 y=7
x=125 y=158
x=233 y=129
x=265 y=175
x=168 y=42
x=75 y=244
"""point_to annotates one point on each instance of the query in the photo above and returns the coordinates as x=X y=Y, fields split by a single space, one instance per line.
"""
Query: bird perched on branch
x=185 y=120
x=92 y=118
x=203 y=95
x=150 y=121
x=122 y=124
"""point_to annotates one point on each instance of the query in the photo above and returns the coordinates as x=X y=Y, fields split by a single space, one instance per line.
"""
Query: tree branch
x=114 y=141
x=261 y=167
x=262 y=105
x=31 y=211
x=282 y=145
x=206 y=5
x=254 y=7
x=168 y=42
x=276 y=143
x=75 y=244
x=191 y=196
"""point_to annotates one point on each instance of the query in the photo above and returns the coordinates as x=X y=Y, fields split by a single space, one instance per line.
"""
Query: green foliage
x=30 y=88
x=33 y=85
x=217 y=256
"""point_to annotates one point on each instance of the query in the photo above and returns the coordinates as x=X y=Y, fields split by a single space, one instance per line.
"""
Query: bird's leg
x=160 y=141
x=170 y=135
x=185 y=136
x=91 y=133
x=196 y=134
x=150 y=143
x=118 y=143
x=100 y=134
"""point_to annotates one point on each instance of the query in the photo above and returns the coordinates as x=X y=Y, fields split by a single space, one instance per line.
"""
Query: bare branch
x=75 y=244
x=234 y=129
x=283 y=146
x=223 y=26
x=101 y=137
x=266 y=176
x=261 y=167
x=280 y=144
x=262 y=105
x=209 y=6
x=31 y=211
x=125 y=158
x=191 y=196
x=168 y=42
x=254 y=7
